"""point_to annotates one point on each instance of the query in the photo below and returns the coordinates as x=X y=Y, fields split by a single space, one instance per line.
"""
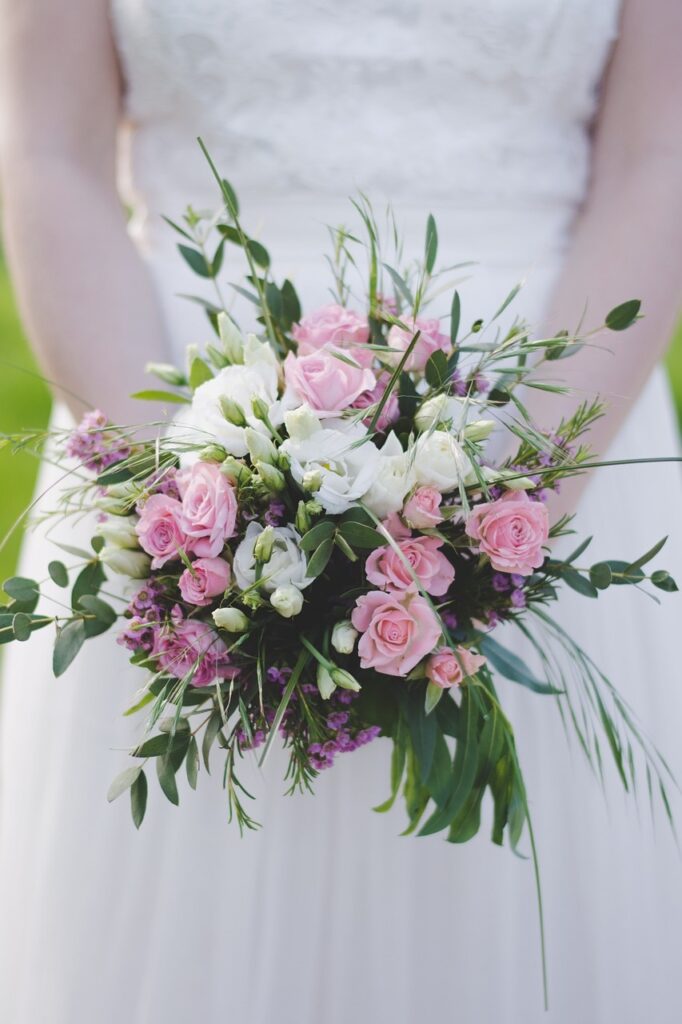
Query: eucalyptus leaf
x=58 y=574
x=195 y=260
x=317 y=562
x=138 y=799
x=123 y=782
x=70 y=639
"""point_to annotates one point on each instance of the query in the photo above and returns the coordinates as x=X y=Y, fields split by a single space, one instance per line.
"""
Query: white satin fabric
x=477 y=110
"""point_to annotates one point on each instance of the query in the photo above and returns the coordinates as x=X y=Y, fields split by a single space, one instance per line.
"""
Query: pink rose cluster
x=189 y=646
x=398 y=630
x=430 y=340
x=511 y=532
x=335 y=326
x=419 y=557
x=200 y=522
x=447 y=667
x=327 y=380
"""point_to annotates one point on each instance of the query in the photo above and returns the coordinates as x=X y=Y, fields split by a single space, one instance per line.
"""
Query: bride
x=544 y=136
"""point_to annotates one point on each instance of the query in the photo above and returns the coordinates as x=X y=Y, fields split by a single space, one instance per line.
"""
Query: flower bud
x=232 y=411
x=191 y=353
x=344 y=636
x=314 y=508
x=271 y=477
x=302 y=520
x=344 y=679
x=230 y=619
x=135 y=564
x=265 y=542
x=119 y=499
x=325 y=683
x=231 y=338
x=479 y=430
x=261 y=448
x=287 y=601
x=167 y=373
x=260 y=409
x=301 y=423
x=235 y=469
x=212 y=453
x=440 y=408
x=312 y=480
x=119 y=532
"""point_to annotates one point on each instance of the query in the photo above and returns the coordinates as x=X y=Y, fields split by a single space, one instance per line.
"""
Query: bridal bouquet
x=318 y=548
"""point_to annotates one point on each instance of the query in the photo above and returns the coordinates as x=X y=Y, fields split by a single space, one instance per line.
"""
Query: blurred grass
x=25 y=402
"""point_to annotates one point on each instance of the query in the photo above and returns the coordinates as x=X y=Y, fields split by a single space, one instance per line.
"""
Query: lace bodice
x=478 y=102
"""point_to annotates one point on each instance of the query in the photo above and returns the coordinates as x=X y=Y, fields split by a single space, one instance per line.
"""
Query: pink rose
x=192 y=645
x=511 y=532
x=385 y=568
x=333 y=325
x=422 y=510
x=398 y=630
x=209 y=508
x=207 y=578
x=160 y=529
x=450 y=668
x=390 y=412
x=328 y=384
x=429 y=341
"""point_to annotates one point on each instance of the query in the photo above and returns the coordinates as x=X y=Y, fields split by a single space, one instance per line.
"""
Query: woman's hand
x=628 y=239
x=86 y=298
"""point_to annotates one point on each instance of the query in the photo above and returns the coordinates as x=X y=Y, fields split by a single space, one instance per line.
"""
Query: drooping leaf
x=664 y=581
x=159 y=396
x=123 y=782
x=166 y=775
x=195 y=260
x=199 y=373
x=317 y=562
x=138 y=799
x=455 y=316
x=578 y=583
x=192 y=763
x=623 y=316
x=70 y=639
x=431 y=244
x=88 y=582
x=511 y=666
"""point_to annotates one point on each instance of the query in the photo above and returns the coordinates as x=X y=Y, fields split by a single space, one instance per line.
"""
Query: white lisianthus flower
x=344 y=636
x=394 y=476
x=119 y=532
x=135 y=564
x=441 y=409
x=330 y=458
x=287 y=601
x=439 y=461
x=257 y=377
x=285 y=567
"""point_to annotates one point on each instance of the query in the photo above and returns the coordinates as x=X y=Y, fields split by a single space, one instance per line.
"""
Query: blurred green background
x=25 y=402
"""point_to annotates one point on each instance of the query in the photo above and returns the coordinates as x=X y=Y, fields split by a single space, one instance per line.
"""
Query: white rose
x=119 y=532
x=135 y=564
x=341 y=469
x=344 y=636
x=288 y=601
x=394 y=476
x=258 y=378
x=286 y=566
x=439 y=461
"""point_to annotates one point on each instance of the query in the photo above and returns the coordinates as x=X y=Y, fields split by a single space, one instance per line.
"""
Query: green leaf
x=651 y=553
x=579 y=550
x=70 y=639
x=217 y=261
x=230 y=197
x=601 y=575
x=423 y=731
x=58 y=574
x=105 y=616
x=623 y=316
x=439 y=782
x=192 y=763
x=464 y=769
x=360 y=536
x=316 y=534
x=123 y=782
x=176 y=227
x=22 y=590
x=437 y=371
x=455 y=316
x=199 y=373
x=165 y=771
x=619 y=570
x=259 y=254
x=160 y=746
x=210 y=732
x=398 y=757
x=511 y=667
x=273 y=300
x=21 y=625
x=400 y=285
x=138 y=799
x=195 y=260
x=88 y=582
x=510 y=298
x=159 y=396
x=432 y=697
x=317 y=562
x=664 y=581
x=292 y=307
x=431 y=246
x=578 y=583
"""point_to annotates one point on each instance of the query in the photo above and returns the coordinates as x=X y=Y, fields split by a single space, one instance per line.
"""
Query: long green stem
x=302 y=661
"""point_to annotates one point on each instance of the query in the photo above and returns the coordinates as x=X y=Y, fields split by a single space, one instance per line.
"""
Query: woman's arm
x=86 y=298
x=628 y=239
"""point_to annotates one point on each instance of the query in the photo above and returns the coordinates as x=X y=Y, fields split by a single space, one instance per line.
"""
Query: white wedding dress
x=478 y=111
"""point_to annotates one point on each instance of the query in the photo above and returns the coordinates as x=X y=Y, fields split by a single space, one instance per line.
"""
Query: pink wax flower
x=385 y=568
x=391 y=410
x=160 y=529
x=328 y=384
x=192 y=645
x=207 y=578
x=422 y=510
x=448 y=668
x=429 y=341
x=336 y=326
x=95 y=444
x=209 y=508
x=398 y=630
x=511 y=532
